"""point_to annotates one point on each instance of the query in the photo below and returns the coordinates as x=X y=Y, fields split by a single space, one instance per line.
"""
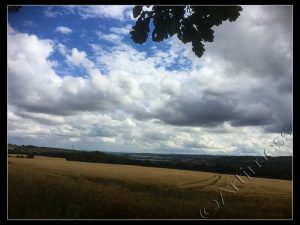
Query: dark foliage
x=190 y=23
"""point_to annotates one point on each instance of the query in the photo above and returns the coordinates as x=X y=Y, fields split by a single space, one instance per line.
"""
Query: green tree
x=190 y=23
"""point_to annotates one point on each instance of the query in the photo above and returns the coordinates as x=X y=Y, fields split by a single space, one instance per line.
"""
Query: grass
x=53 y=188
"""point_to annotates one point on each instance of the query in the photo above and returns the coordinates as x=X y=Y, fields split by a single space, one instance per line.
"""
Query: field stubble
x=54 y=188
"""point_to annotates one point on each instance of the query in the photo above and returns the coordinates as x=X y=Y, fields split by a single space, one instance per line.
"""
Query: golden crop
x=98 y=190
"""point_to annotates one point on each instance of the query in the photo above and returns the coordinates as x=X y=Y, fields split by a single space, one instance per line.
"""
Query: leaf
x=136 y=11
x=139 y=33
x=198 y=48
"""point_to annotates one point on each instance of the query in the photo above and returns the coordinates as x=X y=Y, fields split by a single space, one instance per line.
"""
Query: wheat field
x=53 y=188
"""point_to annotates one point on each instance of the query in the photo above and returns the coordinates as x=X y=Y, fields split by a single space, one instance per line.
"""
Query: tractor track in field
x=203 y=183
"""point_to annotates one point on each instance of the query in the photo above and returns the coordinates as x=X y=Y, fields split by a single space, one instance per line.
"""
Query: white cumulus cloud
x=63 y=30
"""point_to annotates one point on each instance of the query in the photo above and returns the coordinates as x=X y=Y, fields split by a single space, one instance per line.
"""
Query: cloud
x=114 y=38
x=108 y=139
x=63 y=30
x=117 y=12
x=170 y=86
x=231 y=101
x=102 y=131
x=78 y=58
x=27 y=64
x=29 y=23
x=52 y=12
x=211 y=111
x=191 y=111
x=121 y=30
x=261 y=31
x=42 y=118
x=250 y=62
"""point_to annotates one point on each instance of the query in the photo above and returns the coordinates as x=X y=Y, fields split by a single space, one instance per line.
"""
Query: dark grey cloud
x=193 y=111
x=282 y=106
x=210 y=111
x=41 y=118
x=69 y=105
x=102 y=131
x=156 y=136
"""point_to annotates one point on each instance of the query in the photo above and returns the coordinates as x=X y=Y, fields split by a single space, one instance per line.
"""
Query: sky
x=76 y=79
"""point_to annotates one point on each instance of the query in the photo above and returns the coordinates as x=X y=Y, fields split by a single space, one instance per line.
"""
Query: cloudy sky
x=75 y=78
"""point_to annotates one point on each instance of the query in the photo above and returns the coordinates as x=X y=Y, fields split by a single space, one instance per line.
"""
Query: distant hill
x=255 y=166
